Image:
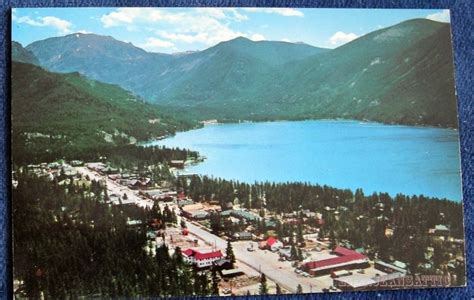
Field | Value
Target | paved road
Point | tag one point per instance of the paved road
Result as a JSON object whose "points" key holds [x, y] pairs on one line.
{"points": [[262, 261], [259, 260], [115, 188]]}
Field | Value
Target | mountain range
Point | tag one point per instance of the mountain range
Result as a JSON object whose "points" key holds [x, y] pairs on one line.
{"points": [[400, 74]]}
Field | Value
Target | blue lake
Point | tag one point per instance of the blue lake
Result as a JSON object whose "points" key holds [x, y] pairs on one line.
{"points": [[342, 154]]}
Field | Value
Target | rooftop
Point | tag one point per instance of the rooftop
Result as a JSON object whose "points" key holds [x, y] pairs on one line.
{"points": [[199, 255], [345, 257]]}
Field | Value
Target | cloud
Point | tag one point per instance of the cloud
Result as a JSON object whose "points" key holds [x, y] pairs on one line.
{"points": [[340, 38], [156, 45], [223, 13], [119, 17], [286, 40], [207, 26], [63, 26], [286, 12], [134, 15], [184, 38], [257, 37], [442, 16]]}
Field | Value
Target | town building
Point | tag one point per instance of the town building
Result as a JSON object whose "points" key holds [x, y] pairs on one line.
{"points": [[201, 258], [231, 273], [194, 211], [272, 244], [241, 214], [357, 282], [285, 252], [397, 266], [223, 264], [243, 236], [344, 259]]}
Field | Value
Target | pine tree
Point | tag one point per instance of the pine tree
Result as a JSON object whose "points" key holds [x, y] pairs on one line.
{"points": [[278, 289], [299, 254], [293, 253], [215, 282], [299, 234], [263, 285], [332, 240], [178, 256], [230, 253]]}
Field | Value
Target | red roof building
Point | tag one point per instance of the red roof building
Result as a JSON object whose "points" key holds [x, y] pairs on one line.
{"points": [[346, 259], [271, 243], [271, 240], [200, 258]]}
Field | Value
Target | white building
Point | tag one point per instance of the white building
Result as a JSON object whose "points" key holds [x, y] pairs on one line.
{"points": [[200, 258]]}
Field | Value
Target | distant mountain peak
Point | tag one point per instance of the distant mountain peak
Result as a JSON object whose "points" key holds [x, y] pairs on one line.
{"points": [[241, 38]]}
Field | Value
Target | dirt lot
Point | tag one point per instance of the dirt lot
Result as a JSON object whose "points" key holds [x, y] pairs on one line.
{"points": [[174, 238], [243, 284]]}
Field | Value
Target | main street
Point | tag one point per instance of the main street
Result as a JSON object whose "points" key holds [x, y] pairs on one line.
{"points": [[115, 188], [263, 261]]}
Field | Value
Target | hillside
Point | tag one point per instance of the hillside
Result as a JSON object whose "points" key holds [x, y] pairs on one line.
{"points": [[70, 113], [20, 54], [400, 74]]}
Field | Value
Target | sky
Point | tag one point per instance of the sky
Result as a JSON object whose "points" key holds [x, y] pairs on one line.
{"points": [[170, 30]]}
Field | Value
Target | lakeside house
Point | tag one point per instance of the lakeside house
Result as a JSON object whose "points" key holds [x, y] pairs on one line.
{"points": [[177, 163], [201, 258]]}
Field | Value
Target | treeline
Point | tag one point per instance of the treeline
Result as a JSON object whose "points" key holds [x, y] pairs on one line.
{"points": [[68, 243], [360, 219], [47, 149], [401, 210]]}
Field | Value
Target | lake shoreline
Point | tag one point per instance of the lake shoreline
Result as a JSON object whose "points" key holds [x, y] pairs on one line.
{"points": [[204, 123], [418, 155]]}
